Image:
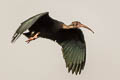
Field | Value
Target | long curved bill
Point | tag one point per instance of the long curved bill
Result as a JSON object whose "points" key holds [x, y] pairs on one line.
{"points": [[84, 26]]}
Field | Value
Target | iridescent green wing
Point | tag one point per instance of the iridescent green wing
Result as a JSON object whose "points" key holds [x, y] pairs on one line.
{"points": [[26, 25], [73, 48]]}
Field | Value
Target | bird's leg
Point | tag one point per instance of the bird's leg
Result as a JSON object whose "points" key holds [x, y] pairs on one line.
{"points": [[33, 38]]}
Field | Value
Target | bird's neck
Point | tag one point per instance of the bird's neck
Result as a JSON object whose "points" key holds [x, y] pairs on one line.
{"points": [[67, 26]]}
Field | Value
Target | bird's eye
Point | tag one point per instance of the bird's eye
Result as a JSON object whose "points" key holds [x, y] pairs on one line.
{"points": [[75, 24]]}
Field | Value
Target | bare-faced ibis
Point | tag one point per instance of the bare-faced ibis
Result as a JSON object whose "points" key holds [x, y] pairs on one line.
{"points": [[69, 37]]}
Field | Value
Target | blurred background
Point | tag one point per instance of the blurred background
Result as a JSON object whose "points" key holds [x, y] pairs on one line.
{"points": [[42, 59]]}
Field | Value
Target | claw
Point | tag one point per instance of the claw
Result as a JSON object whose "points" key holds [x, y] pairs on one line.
{"points": [[30, 39]]}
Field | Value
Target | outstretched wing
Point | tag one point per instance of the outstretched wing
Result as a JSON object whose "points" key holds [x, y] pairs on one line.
{"points": [[73, 48], [26, 25]]}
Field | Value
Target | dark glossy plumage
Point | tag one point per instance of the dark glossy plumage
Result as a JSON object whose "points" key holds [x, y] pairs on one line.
{"points": [[71, 40], [73, 48], [41, 22]]}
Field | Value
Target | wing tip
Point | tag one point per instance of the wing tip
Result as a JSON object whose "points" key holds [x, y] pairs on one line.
{"points": [[15, 37], [76, 69]]}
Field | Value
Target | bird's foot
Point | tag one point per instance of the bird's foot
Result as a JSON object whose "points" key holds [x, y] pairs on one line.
{"points": [[33, 38], [30, 39]]}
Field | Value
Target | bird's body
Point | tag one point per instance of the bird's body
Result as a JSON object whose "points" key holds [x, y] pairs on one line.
{"points": [[46, 26], [70, 37]]}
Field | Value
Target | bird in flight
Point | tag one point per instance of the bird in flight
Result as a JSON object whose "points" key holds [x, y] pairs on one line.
{"points": [[69, 37]]}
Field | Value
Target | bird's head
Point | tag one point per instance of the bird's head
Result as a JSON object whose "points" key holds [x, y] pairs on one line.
{"points": [[77, 24]]}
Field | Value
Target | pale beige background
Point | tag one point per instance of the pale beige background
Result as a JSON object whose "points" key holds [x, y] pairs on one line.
{"points": [[42, 59]]}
